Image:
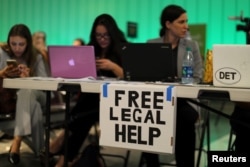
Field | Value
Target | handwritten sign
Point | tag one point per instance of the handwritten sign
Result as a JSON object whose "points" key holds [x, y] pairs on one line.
{"points": [[138, 116]]}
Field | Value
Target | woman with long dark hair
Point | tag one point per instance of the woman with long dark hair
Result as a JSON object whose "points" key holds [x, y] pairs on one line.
{"points": [[106, 37], [30, 103]]}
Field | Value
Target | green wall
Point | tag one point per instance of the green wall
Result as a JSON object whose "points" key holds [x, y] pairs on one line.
{"points": [[64, 20]]}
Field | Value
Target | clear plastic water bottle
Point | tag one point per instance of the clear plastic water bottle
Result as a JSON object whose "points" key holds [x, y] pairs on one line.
{"points": [[187, 67]]}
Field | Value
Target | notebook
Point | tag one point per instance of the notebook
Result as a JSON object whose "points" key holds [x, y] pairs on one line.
{"points": [[147, 62], [231, 65], [72, 61]]}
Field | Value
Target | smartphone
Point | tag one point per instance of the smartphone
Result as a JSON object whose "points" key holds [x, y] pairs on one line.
{"points": [[12, 62]]}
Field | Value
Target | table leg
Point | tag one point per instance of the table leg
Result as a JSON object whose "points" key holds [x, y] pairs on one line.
{"points": [[67, 115], [68, 88], [47, 127]]}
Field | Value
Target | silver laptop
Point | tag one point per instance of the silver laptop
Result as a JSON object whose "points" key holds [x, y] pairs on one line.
{"points": [[72, 61], [231, 65]]}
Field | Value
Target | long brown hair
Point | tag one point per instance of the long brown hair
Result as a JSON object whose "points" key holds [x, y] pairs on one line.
{"points": [[30, 53]]}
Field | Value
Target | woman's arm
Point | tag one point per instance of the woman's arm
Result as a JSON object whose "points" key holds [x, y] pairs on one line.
{"points": [[117, 70], [2, 74], [10, 71], [198, 62], [40, 68], [106, 64]]}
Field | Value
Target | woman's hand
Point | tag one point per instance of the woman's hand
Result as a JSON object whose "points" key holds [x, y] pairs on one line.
{"points": [[11, 71], [104, 64], [24, 70]]}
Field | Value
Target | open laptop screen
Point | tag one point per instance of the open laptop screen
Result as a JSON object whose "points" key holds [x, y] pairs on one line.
{"points": [[148, 62], [72, 61]]}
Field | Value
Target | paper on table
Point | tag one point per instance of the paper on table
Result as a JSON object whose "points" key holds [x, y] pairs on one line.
{"points": [[59, 79], [86, 79]]}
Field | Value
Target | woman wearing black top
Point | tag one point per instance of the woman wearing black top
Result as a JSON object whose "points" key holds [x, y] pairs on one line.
{"points": [[106, 38]]}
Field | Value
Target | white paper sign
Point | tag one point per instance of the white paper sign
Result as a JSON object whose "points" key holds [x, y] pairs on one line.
{"points": [[138, 116]]}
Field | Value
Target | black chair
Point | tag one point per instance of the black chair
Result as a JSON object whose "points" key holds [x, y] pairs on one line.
{"points": [[125, 157], [231, 142]]}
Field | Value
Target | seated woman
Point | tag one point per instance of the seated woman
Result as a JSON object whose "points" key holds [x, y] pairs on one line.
{"points": [[173, 30], [39, 42], [30, 103], [78, 42], [106, 38]]}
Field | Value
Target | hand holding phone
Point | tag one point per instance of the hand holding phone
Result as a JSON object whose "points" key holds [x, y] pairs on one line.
{"points": [[12, 62], [24, 70], [12, 69]]}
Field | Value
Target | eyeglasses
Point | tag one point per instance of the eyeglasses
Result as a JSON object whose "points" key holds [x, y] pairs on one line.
{"points": [[99, 36]]}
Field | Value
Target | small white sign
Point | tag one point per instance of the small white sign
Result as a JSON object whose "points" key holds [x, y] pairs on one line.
{"points": [[138, 116]]}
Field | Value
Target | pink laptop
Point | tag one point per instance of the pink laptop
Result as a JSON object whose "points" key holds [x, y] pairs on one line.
{"points": [[72, 61]]}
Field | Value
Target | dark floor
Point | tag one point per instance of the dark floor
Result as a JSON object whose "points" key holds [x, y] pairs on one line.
{"points": [[219, 136]]}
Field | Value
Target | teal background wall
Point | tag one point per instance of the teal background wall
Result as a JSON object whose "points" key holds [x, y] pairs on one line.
{"points": [[64, 20]]}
